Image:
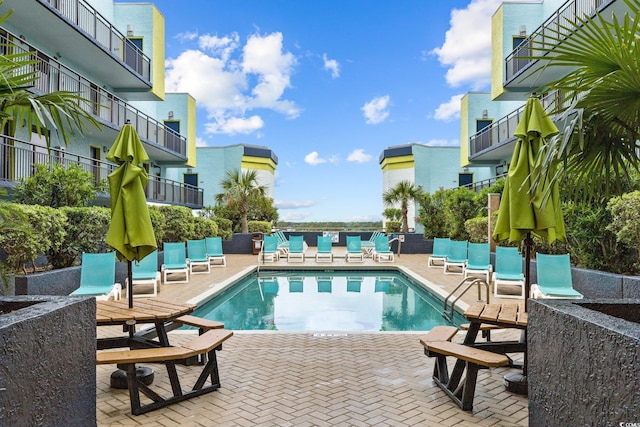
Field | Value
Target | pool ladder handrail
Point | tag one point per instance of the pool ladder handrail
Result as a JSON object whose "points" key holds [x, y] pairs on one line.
{"points": [[447, 312]]}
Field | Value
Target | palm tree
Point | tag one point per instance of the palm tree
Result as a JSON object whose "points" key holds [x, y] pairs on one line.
{"points": [[63, 112], [601, 109], [239, 188], [403, 193]]}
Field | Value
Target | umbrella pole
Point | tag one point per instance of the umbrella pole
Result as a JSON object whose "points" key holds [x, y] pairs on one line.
{"points": [[130, 284], [517, 382]]}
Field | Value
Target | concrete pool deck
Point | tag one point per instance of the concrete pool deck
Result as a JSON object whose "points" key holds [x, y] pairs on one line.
{"points": [[318, 379]]}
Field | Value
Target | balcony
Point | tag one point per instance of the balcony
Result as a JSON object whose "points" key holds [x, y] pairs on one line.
{"points": [[84, 37], [17, 160], [519, 61], [496, 142], [162, 143]]}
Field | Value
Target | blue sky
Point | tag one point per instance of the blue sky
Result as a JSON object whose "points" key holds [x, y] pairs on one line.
{"points": [[327, 85]]}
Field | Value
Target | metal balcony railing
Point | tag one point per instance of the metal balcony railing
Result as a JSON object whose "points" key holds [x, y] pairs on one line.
{"points": [[106, 35], [502, 130], [105, 105], [18, 159], [559, 23], [479, 185]]}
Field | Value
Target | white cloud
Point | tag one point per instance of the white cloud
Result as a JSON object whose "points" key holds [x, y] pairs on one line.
{"points": [[443, 143], [291, 204], [186, 36], [359, 156], [230, 80], [314, 159], [466, 51], [235, 125], [331, 65], [449, 110], [377, 110], [201, 142], [296, 216]]}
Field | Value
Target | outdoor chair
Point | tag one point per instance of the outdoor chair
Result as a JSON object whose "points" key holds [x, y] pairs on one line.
{"points": [[270, 251], [296, 249], [324, 284], [269, 286], [439, 252], [554, 277], [354, 284], [457, 257], [197, 251], [382, 284], [145, 272], [98, 276], [296, 284], [478, 261], [354, 249], [214, 252], [175, 262], [324, 252], [382, 251], [508, 272], [368, 246]]}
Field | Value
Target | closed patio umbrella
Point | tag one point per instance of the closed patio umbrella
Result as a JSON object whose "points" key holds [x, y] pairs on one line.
{"points": [[130, 231], [524, 213]]}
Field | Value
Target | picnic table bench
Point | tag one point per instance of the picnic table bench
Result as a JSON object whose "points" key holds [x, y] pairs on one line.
{"points": [[207, 343], [437, 343]]}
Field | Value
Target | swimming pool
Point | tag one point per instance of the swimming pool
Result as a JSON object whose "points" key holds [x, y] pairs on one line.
{"points": [[326, 301]]}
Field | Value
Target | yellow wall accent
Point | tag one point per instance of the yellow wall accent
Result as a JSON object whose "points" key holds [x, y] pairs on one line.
{"points": [[400, 162], [497, 53], [191, 131], [464, 131], [258, 163], [157, 60]]}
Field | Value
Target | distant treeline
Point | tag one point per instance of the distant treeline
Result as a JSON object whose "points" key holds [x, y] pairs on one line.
{"points": [[330, 226]]}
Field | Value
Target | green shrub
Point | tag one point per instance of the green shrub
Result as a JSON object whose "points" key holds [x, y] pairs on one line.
{"points": [[204, 228], [225, 228], [259, 227], [625, 221], [432, 214], [47, 231], [459, 206], [477, 229], [85, 231], [179, 224], [392, 226], [158, 223], [57, 186]]}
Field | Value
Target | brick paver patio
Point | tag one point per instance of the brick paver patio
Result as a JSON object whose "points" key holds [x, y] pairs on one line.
{"points": [[317, 378]]}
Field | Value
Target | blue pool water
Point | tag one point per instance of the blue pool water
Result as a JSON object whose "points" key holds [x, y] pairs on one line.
{"points": [[326, 301]]}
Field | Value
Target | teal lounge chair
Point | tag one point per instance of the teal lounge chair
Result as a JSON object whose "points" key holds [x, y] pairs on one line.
{"points": [[270, 251], [324, 284], [214, 252], [478, 261], [382, 284], [296, 249], [354, 249], [197, 250], [354, 284], [175, 262], [324, 252], [439, 252], [554, 277], [269, 285], [296, 284], [146, 273], [382, 251], [368, 246], [508, 272], [457, 257], [98, 276]]}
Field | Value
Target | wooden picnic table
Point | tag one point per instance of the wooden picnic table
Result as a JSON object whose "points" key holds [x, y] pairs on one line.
{"points": [[150, 310]]}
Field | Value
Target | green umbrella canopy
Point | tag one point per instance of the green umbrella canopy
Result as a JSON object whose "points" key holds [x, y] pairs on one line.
{"points": [[130, 232], [521, 212]]}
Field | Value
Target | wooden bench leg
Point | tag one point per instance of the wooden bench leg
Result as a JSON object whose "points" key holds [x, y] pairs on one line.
{"points": [[461, 392]]}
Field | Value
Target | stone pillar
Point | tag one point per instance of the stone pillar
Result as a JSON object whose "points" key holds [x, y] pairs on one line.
{"points": [[493, 205]]}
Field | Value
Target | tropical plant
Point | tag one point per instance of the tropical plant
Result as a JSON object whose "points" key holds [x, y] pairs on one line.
{"points": [[392, 214], [625, 220], [600, 96], [403, 193], [432, 214], [56, 186], [63, 112], [238, 190]]}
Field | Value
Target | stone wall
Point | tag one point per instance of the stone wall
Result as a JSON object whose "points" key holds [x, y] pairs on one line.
{"points": [[48, 362], [583, 362]]}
